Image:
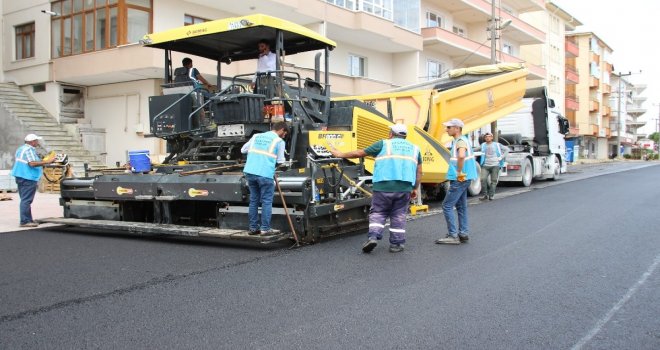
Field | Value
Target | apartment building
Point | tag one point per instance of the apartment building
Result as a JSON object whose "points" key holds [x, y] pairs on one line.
{"points": [[82, 61], [626, 97], [591, 118], [553, 53]]}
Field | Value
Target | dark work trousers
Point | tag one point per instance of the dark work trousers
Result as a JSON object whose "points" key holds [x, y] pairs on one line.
{"points": [[393, 205], [26, 190]]}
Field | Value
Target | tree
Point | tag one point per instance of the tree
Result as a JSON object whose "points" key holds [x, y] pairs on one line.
{"points": [[655, 136]]}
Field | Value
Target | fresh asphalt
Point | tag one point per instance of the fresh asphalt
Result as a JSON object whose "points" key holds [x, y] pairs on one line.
{"points": [[568, 264]]}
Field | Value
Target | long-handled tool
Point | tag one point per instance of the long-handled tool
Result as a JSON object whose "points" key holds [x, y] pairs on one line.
{"points": [[286, 211], [202, 171]]}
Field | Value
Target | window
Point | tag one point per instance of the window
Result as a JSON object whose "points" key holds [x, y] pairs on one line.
{"points": [[458, 31], [91, 25], [357, 66], [507, 48], [190, 20], [407, 14], [24, 41], [433, 20], [349, 4], [380, 8], [433, 69], [554, 24]]}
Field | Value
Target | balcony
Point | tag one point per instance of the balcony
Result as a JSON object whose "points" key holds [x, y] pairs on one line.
{"points": [[606, 110], [572, 102], [607, 132], [474, 11], [636, 123], [593, 106], [635, 111], [606, 88], [593, 129], [594, 57], [572, 75], [571, 47], [469, 52], [594, 82], [608, 67]]}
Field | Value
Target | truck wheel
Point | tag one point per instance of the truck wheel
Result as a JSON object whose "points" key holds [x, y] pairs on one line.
{"points": [[556, 173], [475, 185], [527, 173]]}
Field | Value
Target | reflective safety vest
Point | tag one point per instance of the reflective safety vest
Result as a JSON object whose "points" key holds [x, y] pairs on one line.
{"points": [[498, 152], [397, 161], [24, 155], [469, 164], [262, 154]]}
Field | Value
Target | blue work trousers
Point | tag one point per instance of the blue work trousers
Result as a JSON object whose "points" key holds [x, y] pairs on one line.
{"points": [[26, 190], [456, 197], [261, 194], [393, 205]]}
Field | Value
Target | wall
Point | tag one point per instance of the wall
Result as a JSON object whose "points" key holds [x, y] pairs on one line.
{"points": [[122, 110], [11, 138]]}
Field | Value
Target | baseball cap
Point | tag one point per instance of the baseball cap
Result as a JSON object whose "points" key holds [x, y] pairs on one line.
{"points": [[32, 137], [488, 133], [399, 129], [454, 122]]}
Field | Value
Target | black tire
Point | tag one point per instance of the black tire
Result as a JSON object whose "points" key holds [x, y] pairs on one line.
{"points": [[527, 175], [557, 172]]}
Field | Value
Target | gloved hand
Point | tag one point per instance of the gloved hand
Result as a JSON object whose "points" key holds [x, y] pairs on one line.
{"points": [[461, 177]]}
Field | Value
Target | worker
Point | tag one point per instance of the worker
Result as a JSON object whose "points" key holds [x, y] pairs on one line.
{"points": [[266, 62], [492, 160], [28, 170], [189, 73], [264, 151], [397, 172], [462, 170]]}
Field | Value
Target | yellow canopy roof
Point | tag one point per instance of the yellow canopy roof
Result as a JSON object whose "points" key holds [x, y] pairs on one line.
{"points": [[236, 38]]}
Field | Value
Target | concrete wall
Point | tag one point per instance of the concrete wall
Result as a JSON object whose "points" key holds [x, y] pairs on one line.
{"points": [[122, 110], [11, 138]]}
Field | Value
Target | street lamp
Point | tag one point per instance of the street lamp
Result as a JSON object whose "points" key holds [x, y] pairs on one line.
{"points": [[618, 114]]}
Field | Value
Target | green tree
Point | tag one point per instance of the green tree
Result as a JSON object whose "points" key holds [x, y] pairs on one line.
{"points": [[655, 136]]}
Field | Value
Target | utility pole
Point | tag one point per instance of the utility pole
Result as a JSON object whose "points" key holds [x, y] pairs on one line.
{"points": [[618, 114], [494, 28]]}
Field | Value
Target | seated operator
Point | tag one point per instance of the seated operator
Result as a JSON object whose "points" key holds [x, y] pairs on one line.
{"points": [[188, 73], [265, 63]]}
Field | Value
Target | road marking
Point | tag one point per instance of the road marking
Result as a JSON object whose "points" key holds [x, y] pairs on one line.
{"points": [[599, 325]]}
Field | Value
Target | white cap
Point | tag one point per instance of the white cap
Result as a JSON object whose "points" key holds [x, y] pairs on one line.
{"points": [[32, 137], [454, 122], [399, 129]]}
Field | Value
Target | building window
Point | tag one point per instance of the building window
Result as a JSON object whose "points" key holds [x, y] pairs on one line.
{"points": [[458, 31], [349, 4], [190, 20], [507, 48], [90, 25], [433, 69], [554, 24], [407, 14], [380, 8], [357, 66], [433, 20], [24, 41]]}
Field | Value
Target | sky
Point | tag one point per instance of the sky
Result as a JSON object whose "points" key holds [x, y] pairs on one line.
{"points": [[629, 27]]}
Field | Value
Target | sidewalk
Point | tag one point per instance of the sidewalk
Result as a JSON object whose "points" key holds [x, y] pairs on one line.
{"points": [[45, 205]]}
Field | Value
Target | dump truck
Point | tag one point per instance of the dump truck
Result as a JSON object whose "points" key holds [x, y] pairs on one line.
{"points": [[535, 138], [199, 190]]}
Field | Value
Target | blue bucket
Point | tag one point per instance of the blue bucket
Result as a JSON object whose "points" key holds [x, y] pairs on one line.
{"points": [[140, 161]]}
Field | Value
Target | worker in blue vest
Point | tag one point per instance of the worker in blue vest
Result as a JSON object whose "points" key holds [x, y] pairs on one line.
{"points": [[492, 160], [462, 170], [397, 172], [264, 152], [28, 170]]}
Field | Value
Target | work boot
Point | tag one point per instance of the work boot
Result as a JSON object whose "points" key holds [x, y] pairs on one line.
{"points": [[483, 198], [490, 198], [463, 238], [254, 232], [395, 248], [30, 224], [448, 240], [369, 245], [270, 232]]}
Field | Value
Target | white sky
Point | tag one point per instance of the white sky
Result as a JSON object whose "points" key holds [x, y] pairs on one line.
{"points": [[630, 28]]}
